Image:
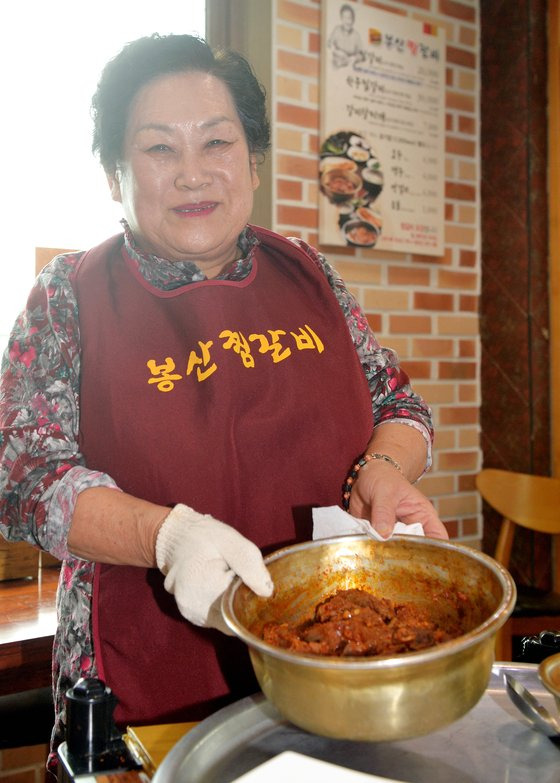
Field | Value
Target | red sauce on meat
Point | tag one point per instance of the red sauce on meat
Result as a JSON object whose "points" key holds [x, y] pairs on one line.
{"points": [[357, 623]]}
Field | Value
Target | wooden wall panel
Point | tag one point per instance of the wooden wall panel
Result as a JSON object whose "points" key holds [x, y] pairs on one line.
{"points": [[514, 305], [554, 222]]}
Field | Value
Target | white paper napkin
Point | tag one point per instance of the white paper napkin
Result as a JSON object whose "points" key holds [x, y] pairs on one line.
{"points": [[297, 767], [330, 521]]}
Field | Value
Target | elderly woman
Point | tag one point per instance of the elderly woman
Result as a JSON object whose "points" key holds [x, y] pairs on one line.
{"points": [[177, 399], [345, 40]]}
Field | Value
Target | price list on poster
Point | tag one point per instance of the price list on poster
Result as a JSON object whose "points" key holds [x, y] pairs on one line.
{"points": [[381, 169]]}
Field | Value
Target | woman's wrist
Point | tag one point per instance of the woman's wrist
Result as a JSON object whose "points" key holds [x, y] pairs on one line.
{"points": [[115, 527], [358, 466], [404, 444]]}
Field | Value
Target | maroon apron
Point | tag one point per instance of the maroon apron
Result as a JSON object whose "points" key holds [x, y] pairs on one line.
{"points": [[243, 399]]}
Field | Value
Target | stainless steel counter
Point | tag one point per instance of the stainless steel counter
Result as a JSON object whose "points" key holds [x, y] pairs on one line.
{"points": [[493, 743]]}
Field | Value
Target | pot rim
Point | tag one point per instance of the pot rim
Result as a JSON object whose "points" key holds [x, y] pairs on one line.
{"points": [[547, 668], [432, 654]]}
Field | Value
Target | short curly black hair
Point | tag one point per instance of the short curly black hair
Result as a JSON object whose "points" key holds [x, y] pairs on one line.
{"points": [[143, 60]]}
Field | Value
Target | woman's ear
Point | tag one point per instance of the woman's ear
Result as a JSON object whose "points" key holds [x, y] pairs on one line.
{"points": [[255, 181], [114, 180]]}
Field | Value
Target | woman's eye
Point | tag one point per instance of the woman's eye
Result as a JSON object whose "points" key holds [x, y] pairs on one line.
{"points": [[218, 142], [159, 148]]}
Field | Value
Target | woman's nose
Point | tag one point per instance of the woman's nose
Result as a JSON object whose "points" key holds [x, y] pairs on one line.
{"points": [[192, 172]]}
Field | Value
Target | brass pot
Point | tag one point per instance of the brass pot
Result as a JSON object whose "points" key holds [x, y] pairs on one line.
{"points": [[549, 675], [381, 698]]}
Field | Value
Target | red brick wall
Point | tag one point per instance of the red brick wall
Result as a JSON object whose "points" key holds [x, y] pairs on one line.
{"points": [[425, 307]]}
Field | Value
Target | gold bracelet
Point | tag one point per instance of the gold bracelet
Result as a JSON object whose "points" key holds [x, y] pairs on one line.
{"points": [[386, 458]]}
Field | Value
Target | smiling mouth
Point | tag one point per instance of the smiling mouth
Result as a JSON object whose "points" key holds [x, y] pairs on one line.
{"points": [[195, 210]]}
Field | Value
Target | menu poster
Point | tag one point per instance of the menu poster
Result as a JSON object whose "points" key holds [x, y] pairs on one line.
{"points": [[381, 169]]}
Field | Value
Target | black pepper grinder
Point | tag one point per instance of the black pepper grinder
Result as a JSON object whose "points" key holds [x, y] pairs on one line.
{"points": [[93, 743]]}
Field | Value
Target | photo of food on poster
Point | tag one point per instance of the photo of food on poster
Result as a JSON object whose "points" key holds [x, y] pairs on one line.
{"points": [[382, 143]]}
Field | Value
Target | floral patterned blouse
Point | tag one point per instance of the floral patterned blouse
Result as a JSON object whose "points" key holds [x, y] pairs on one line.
{"points": [[41, 468]]}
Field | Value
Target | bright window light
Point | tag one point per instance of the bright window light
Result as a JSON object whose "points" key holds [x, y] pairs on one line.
{"points": [[55, 192]]}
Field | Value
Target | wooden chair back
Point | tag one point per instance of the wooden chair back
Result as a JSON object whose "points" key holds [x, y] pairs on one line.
{"points": [[532, 502]]}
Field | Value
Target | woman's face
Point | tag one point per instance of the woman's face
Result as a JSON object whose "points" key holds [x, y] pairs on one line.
{"points": [[347, 19], [186, 180]]}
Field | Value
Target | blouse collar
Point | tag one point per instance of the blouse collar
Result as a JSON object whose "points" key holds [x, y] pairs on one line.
{"points": [[168, 275]]}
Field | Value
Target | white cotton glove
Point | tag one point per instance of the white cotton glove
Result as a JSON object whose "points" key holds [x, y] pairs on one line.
{"points": [[199, 557]]}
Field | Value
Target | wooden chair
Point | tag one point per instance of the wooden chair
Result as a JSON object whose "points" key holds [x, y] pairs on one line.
{"points": [[534, 503]]}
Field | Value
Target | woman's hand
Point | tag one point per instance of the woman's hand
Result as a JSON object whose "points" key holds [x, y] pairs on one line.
{"points": [[199, 557], [382, 495]]}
